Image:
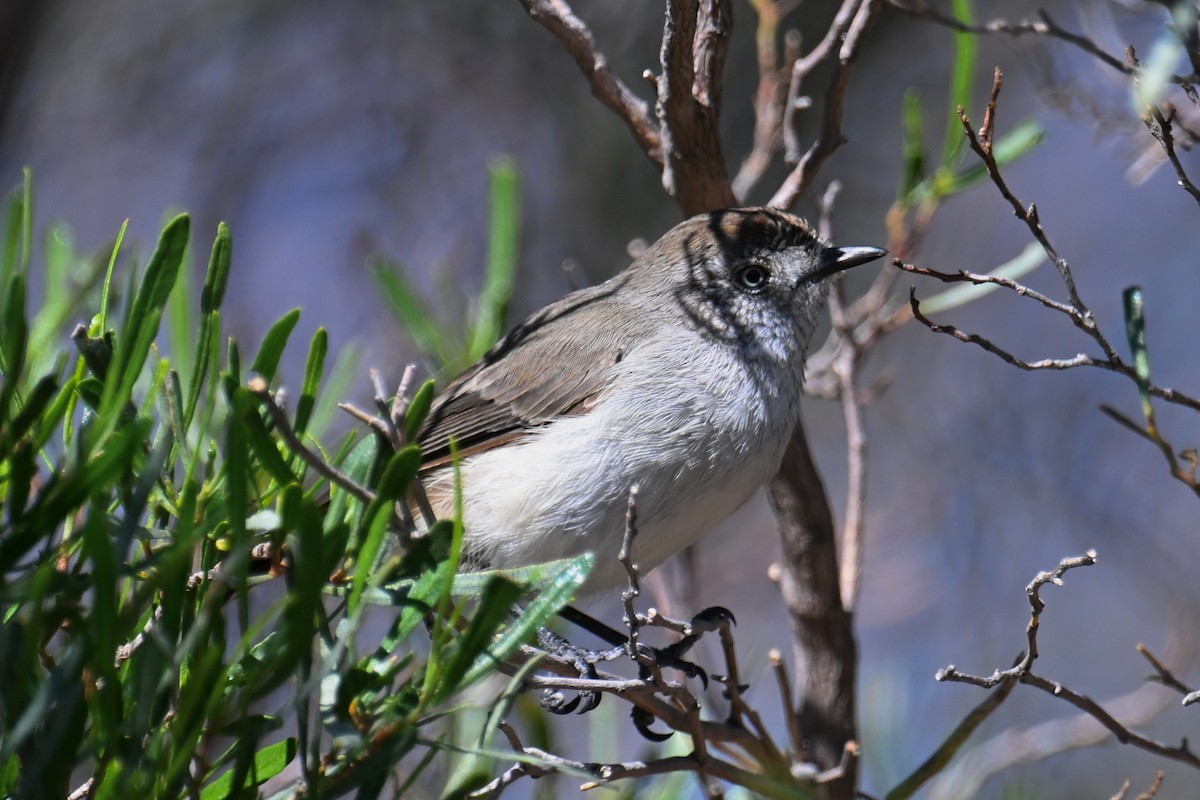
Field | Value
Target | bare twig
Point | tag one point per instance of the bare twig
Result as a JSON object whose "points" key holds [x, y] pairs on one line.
{"points": [[1186, 476], [830, 138], [784, 682], [1165, 677], [1033, 592], [1113, 363], [559, 18], [1160, 128], [1045, 26], [1124, 735], [284, 426], [801, 69], [770, 99], [953, 743], [1022, 745]]}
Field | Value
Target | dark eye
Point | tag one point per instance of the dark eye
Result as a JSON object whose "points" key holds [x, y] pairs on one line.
{"points": [[752, 277]]}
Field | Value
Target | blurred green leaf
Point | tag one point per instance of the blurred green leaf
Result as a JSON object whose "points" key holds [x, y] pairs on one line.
{"points": [[503, 241], [406, 305], [1135, 333], [1032, 257], [268, 762], [961, 79], [1013, 145], [102, 317], [367, 555], [556, 585], [495, 606], [913, 151], [418, 409]]}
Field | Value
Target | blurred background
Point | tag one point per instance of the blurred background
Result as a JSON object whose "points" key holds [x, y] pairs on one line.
{"points": [[325, 134]]}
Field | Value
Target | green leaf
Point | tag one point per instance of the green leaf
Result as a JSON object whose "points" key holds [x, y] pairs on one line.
{"points": [[267, 360], [15, 334], [1019, 141], [144, 316], [216, 278], [268, 762], [10, 775], [1135, 333], [314, 367], [961, 79], [913, 169], [401, 469], [337, 386], [556, 584], [417, 410], [495, 606], [264, 447], [406, 305], [102, 318], [18, 230], [367, 555], [503, 235], [35, 404]]}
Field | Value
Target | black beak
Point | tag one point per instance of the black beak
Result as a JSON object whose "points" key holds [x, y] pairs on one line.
{"points": [[837, 259]]}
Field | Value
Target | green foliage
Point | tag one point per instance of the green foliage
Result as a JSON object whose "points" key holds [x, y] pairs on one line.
{"points": [[922, 190], [181, 614], [445, 340]]}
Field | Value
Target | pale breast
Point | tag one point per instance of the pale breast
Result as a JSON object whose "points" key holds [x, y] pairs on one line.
{"points": [[698, 434]]}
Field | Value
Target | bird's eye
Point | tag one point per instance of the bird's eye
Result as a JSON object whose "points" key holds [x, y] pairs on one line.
{"points": [[752, 277]]}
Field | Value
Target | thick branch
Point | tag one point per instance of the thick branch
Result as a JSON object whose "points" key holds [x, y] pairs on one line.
{"points": [[694, 171], [826, 653]]}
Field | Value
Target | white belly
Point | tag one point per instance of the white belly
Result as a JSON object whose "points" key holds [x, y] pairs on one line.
{"points": [[696, 449]]}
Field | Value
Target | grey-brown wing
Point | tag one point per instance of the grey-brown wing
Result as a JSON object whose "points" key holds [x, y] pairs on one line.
{"points": [[548, 366]]}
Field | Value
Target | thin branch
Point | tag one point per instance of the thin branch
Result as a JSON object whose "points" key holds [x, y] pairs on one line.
{"points": [[1124, 735], [802, 68], [284, 426], [1084, 319], [830, 137], [1113, 364], [770, 99], [1185, 476], [953, 743], [1045, 27], [1162, 674], [1033, 592], [784, 682], [1018, 745], [559, 18], [1160, 128]]}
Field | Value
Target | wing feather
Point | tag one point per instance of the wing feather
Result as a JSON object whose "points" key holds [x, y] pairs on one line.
{"points": [[548, 366]]}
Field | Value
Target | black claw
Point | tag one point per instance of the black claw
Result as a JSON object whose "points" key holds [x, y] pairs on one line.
{"points": [[712, 618], [590, 701], [642, 720], [672, 656], [557, 703]]}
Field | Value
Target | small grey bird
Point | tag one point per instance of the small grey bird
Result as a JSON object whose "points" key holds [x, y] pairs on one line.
{"points": [[682, 374]]}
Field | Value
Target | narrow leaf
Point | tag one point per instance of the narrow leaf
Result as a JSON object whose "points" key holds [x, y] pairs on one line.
{"points": [[267, 361], [503, 235]]}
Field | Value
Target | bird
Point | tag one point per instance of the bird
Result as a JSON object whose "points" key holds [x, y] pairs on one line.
{"points": [[681, 375]]}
